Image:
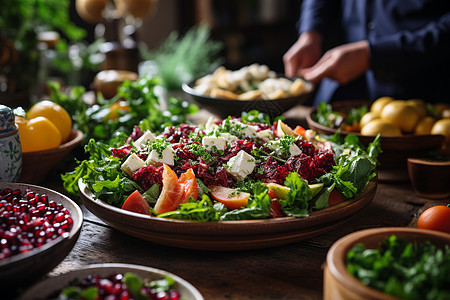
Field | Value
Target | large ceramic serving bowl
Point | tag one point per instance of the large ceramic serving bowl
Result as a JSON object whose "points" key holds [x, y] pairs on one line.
{"points": [[20, 268], [46, 288], [36, 165], [226, 235], [396, 150], [340, 284], [227, 107]]}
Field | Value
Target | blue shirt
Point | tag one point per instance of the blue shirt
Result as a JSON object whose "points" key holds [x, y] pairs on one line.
{"points": [[409, 43]]}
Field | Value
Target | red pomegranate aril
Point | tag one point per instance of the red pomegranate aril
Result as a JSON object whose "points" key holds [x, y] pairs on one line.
{"points": [[58, 218], [162, 296], [174, 295], [125, 295]]}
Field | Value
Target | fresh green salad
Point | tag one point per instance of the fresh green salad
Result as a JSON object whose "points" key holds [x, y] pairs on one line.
{"points": [[403, 269], [232, 169]]}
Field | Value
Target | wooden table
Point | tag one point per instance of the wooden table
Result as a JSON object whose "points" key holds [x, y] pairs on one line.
{"points": [[292, 271]]}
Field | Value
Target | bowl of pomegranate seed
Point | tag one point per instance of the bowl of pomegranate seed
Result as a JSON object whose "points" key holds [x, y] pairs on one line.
{"points": [[38, 229], [115, 281]]}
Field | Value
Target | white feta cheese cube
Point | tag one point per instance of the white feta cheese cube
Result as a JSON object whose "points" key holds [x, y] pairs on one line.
{"points": [[248, 131], [209, 142], [132, 164], [156, 159], [144, 139], [266, 135], [241, 165], [228, 137]]}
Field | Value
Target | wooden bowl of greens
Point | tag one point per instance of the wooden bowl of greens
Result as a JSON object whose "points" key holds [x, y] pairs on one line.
{"points": [[389, 263]]}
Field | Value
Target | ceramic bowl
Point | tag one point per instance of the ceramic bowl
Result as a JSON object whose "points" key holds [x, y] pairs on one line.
{"points": [[340, 284], [36, 165], [29, 266], [227, 107], [226, 235], [46, 288], [396, 149], [430, 178]]}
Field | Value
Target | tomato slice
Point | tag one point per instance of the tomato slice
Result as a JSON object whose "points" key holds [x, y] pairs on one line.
{"points": [[136, 203], [171, 192], [189, 185], [231, 198], [335, 197]]}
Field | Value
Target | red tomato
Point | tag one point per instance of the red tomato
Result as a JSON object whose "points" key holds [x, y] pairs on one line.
{"points": [[435, 218], [272, 194], [136, 203], [335, 197]]}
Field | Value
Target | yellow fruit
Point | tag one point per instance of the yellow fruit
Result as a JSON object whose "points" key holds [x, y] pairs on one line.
{"points": [[401, 115], [442, 127], [37, 134], [418, 105], [370, 116], [382, 127], [377, 105], [424, 126], [56, 114]]}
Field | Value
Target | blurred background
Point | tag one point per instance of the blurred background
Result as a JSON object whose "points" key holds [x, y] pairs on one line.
{"points": [[70, 41]]}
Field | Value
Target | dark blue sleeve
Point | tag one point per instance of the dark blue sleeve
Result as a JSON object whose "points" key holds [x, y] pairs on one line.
{"points": [[427, 47], [316, 15]]}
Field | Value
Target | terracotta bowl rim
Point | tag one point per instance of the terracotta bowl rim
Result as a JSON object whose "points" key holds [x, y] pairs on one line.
{"points": [[335, 258], [428, 162], [75, 140]]}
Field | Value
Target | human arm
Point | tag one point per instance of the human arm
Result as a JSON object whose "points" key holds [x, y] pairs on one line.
{"points": [[312, 27]]}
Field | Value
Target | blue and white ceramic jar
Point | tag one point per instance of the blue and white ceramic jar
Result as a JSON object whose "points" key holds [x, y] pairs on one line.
{"points": [[10, 149]]}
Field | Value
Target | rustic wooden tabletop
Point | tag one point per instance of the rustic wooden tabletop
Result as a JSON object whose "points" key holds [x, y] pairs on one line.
{"points": [[292, 271]]}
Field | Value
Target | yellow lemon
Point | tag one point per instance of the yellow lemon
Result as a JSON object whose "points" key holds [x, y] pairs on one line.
{"points": [[424, 126], [382, 127], [37, 134], [418, 105], [377, 105], [370, 116], [442, 127], [400, 114], [56, 114]]}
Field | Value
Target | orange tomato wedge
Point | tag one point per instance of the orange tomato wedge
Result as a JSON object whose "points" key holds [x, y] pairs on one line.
{"points": [[136, 203], [300, 131], [171, 192], [189, 185], [231, 198]]}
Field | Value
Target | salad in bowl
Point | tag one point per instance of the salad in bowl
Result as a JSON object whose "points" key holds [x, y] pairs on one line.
{"points": [[226, 170]]}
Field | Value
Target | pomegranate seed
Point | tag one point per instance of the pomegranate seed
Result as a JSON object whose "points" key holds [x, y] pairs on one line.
{"points": [[162, 296], [174, 295]]}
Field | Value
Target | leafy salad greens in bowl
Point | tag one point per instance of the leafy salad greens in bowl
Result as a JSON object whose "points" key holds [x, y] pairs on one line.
{"points": [[235, 169]]}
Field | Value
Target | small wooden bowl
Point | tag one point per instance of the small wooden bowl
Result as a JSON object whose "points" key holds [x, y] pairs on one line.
{"points": [[396, 149], [21, 269], [46, 288], [340, 284], [429, 178], [37, 165]]}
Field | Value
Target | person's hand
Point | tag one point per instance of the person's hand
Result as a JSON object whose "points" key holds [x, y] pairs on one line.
{"points": [[343, 63], [303, 54]]}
